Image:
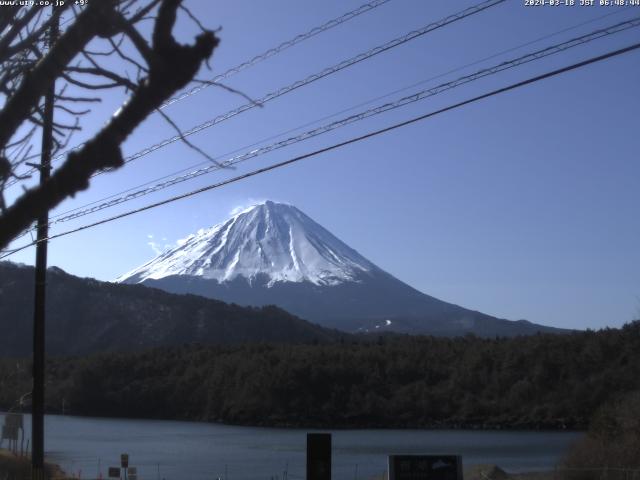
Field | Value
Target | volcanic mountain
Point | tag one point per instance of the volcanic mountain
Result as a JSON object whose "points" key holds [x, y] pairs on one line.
{"points": [[272, 253]]}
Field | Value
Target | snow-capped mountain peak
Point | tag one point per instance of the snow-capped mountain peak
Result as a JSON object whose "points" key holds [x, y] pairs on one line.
{"points": [[273, 254], [272, 239]]}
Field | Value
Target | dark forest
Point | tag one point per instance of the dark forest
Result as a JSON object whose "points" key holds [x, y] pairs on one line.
{"points": [[541, 382]]}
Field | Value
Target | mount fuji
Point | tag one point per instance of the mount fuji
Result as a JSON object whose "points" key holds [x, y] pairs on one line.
{"points": [[273, 254]]}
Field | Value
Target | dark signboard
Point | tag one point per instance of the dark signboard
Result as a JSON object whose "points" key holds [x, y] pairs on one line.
{"points": [[425, 467], [114, 472], [10, 432], [318, 456], [13, 420]]}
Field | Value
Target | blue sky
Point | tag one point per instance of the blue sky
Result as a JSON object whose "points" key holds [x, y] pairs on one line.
{"points": [[523, 205]]}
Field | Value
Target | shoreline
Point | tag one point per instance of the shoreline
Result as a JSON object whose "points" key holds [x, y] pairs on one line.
{"points": [[557, 426], [77, 426], [20, 466]]}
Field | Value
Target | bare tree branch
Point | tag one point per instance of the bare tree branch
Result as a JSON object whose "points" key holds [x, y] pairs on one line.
{"points": [[186, 141], [171, 66], [36, 81]]}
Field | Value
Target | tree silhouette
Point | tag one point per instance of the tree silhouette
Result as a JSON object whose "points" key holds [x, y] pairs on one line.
{"points": [[29, 66]]}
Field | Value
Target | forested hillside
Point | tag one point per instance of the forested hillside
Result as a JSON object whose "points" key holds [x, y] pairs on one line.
{"points": [[86, 316], [541, 381]]}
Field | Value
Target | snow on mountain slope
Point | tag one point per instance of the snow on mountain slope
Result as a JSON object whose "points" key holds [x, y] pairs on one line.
{"points": [[273, 239]]}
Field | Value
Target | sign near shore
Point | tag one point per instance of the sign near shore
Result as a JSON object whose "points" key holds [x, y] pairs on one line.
{"points": [[13, 423], [425, 467], [13, 420], [9, 432]]}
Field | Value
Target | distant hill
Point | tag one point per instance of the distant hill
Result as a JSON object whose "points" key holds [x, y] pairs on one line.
{"points": [[85, 315], [274, 254]]}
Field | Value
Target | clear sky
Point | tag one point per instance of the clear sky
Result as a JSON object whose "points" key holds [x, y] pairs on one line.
{"points": [[524, 205]]}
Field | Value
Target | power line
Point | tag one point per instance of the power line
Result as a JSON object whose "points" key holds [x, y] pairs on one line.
{"points": [[381, 97], [280, 48], [457, 69], [306, 81], [418, 96], [335, 146], [319, 75], [327, 117], [246, 64]]}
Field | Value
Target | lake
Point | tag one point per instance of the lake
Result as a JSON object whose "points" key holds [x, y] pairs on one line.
{"points": [[174, 450]]}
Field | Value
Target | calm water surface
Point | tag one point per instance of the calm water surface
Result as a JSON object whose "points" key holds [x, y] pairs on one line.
{"points": [[191, 450]]}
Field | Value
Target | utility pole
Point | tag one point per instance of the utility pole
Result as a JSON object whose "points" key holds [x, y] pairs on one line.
{"points": [[37, 410]]}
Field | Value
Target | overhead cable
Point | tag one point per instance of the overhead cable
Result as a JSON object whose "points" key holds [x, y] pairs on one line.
{"points": [[275, 50], [306, 81], [242, 66], [335, 146], [353, 107], [406, 100]]}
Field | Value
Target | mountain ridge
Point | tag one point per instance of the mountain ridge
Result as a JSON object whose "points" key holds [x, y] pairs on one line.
{"points": [[272, 253], [86, 315]]}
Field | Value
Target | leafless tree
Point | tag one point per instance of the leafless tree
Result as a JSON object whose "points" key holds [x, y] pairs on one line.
{"points": [[101, 34]]}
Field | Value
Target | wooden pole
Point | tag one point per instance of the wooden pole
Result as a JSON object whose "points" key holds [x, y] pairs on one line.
{"points": [[37, 418]]}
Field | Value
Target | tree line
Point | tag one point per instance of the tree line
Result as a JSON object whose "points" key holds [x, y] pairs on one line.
{"points": [[539, 381]]}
